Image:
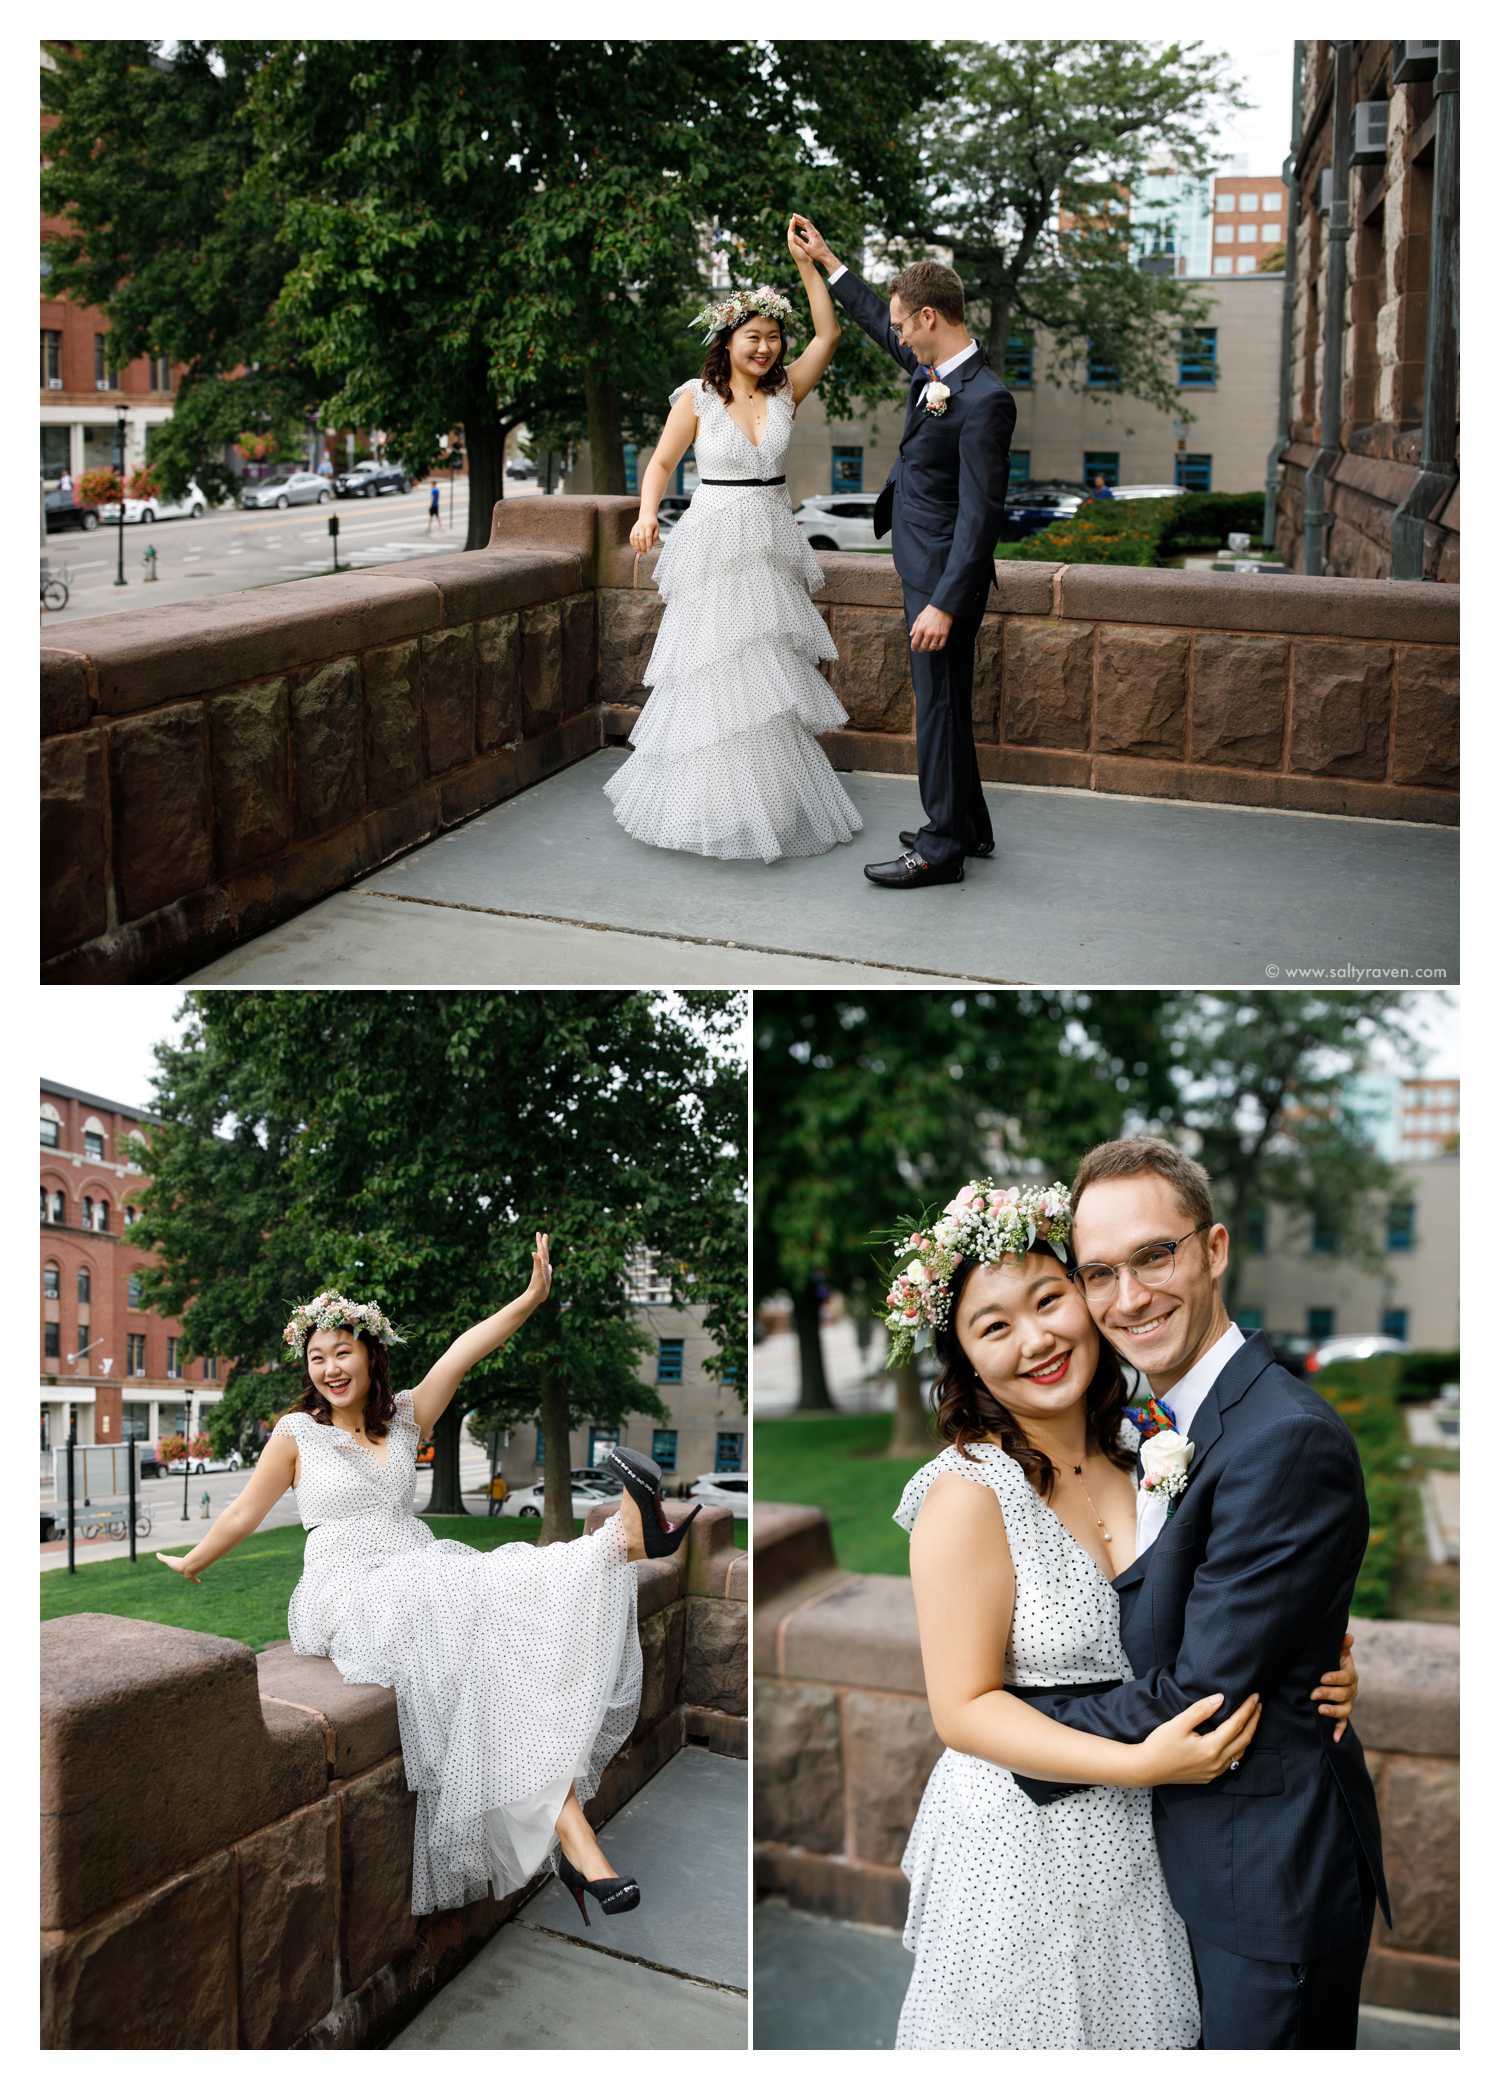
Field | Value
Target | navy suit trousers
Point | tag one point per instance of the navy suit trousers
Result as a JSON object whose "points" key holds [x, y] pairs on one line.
{"points": [[955, 816], [1266, 2004]]}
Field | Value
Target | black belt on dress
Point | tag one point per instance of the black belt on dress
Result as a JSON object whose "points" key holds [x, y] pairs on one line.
{"points": [[744, 482]]}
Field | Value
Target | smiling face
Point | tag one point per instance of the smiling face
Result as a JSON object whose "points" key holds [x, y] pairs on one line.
{"points": [[917, 331], [753, 349], [1026, 1332], [338, 1365], [1162, 1329]]}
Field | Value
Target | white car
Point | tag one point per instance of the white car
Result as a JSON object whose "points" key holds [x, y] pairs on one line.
{"points": [[724, 1490], [152, 510], [1351, 1349], [530, 1502], [838, 522], [286, 490], [1146, 493], [209, 1465]]}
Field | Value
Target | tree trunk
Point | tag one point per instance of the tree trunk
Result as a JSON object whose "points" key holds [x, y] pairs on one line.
{"points": [[484, 447], [447, 1500], [812, 1392], [606, 445], [557, 1499], [997, 339], [911, 1426]]}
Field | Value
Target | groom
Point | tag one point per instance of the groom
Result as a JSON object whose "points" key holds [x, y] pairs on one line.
{"points": [[1241, 1583], [943, 504]]}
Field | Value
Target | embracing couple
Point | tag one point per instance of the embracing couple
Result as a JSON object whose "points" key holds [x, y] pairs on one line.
{"points": [[1152, 1826], [726, 761]]}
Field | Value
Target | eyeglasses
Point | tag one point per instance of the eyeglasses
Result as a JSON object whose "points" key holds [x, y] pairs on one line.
{"points": [[1151, 1265]]}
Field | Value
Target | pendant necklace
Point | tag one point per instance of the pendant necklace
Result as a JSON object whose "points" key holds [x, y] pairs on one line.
{"points": [[1088, 1498]]}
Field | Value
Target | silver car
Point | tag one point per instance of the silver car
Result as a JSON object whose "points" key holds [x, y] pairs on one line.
{"points": [[287, 490], [839, 522]]}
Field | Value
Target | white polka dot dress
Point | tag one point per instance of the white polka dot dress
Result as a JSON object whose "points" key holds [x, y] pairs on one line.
{"points": [[517, 1672], [1040, 1927], [726, 763]]}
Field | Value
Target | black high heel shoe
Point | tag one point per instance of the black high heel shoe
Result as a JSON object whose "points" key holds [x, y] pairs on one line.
{"points": [[614, 1895], [641, 1478]]}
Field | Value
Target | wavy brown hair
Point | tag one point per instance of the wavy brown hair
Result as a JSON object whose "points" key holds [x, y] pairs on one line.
{"points": [[967, 1412], [380, 1402], [716, 362]]}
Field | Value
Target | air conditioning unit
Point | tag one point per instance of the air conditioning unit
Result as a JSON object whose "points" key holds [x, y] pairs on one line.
{"points": [[1413, 62], [54, 384], [1370, 127], [1325, 192]]}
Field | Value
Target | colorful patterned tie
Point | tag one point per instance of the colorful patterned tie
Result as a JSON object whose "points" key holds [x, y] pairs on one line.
{"points": [[1154, 1416]]}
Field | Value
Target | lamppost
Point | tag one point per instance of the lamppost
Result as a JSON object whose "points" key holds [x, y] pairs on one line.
{"points": [[120, 474]]}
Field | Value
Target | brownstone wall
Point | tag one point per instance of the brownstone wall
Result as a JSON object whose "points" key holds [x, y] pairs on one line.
{"points": [[844, 1744], [226, 1839]]}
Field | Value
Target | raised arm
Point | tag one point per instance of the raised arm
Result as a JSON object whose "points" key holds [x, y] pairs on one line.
{"points": [[959, 1544], [808, 369], [432, 1396], [983, 468], [681, 427], [867, 309], [266, 1485]]}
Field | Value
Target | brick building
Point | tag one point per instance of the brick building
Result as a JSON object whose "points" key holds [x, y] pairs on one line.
{"points": [[1368, 445], [1249, 222], [110, 1369]]}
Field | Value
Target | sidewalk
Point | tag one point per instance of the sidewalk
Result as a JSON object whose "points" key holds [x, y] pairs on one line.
{"points": [[671, 1975], [823, 1984], [1084, 887], [858, 1384]]}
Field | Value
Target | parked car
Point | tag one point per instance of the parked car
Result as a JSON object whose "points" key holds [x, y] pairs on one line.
{"points": [[1291, 1351], [285, 490], [837, 522], [1035, 503], [232, 1464], [153, 509], [520, 468], [597, 1477], [64, 513], [530, 1502], [1147, 493], [371, 477], [1346, 1349], [151, 1465], [725, 1490]]}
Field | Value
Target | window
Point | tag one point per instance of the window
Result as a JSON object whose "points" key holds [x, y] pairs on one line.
{"points": [[210, 1366], [44, 1204], [1243, 264], [174, 1357], [729, 1451], [93, 1145], [664, 1449], [161, 373], [1198, 358], [59, 1208], [1020, 467], [135, 1356], [83, 1342], [106, 376], [1393, 1323], [51, 1131], [1325, 1237], [603, 1437], [1247, 200], [848, 474], [1223, 233], [133, 1288], [85, 1287], [51, 1282], [1401, 1228], [51, 359], [669, 1361], [1270, 232], [1105, 463], [1020, 360], [51, 1343], [1193, 471], [1223, 265], [540, 1459], [646, 1284], [1102, 371], [1250, 1317], [88, 1212], [1248, 235], [1272, 199], [632, 467], [130, 1215], [101, 1216], [1321, 1321], [1255, 1232]]}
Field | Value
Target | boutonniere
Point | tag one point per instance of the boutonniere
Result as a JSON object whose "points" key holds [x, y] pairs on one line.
{"points": [[1165, 1458], [936, 398]]}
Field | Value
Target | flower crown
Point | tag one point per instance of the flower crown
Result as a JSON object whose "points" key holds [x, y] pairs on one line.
{"points": [[738, 306], [982, 1223], [331, 1310]]}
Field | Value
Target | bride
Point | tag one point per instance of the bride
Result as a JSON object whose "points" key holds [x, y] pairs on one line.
{"points": [[517, 1672], [1039, 1915], [725, 762]]}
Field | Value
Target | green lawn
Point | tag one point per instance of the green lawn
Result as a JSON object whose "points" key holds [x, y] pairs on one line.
{"points": [[837, 1463]]}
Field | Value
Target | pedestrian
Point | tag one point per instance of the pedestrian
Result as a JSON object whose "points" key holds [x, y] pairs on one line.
{"points": [[65, 483], [435, 508], [1101, 491]]}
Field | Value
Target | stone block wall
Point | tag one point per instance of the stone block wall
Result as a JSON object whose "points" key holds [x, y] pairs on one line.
{"points": [[844, 1744], [226, 1839]]}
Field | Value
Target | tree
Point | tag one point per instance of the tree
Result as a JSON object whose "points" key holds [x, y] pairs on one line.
{"points": [[1032, 153], [405, 1146]]}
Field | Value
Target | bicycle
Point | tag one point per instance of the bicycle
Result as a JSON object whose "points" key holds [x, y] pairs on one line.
{"points": [[54, 593]]}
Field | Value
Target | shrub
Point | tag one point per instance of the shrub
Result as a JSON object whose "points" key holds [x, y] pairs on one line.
{"points": [[1142, 533], [1197, 521], [144, 484], [1424, 1374], [96, 487]]}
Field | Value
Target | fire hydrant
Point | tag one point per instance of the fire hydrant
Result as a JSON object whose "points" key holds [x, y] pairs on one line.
{"points": [[203, 1504], [150, 562]]}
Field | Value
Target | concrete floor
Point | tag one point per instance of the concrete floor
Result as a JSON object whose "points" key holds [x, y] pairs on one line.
{"points": [[1085, 889], [830, 1985], [670, 1976]]}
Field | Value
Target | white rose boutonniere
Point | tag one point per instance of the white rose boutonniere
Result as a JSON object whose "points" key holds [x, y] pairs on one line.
{"points": [[1165, 1458], [937, 396]]}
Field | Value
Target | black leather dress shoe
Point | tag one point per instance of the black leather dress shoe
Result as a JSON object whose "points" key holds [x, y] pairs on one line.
{"points": [[908, 840], [911, 869]]}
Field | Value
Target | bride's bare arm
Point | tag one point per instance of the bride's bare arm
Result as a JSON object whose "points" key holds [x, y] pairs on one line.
{"points": [[806, 373], [432, 1396], [964, 1581], [680, 428], [266, 1485]]}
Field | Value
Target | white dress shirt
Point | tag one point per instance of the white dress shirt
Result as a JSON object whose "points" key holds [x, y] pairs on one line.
{"points": [[1184, 1400], [942, 368]]}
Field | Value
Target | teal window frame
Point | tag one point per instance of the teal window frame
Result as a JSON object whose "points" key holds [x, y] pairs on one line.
{"points": [[669, 1360], [1193, 471], [729, 1451], [1103, 375], [1020, 360], [846, 468], [1105, 461], [1198, 359], [664, 1449]]}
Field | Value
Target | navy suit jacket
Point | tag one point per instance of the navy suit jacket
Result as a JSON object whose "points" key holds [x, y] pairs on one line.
{"points": [[944, 500], [1247, 1588]]}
